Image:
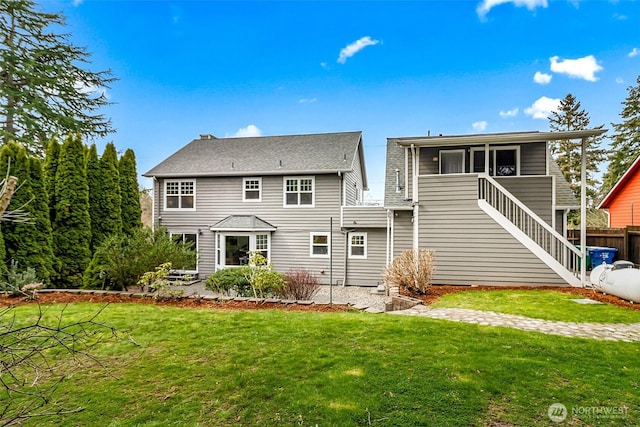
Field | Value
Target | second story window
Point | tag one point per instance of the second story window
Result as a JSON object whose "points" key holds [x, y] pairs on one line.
{"points": [[503, 161], [298, 191], [251, 189], [451, 161], [180, 195]]}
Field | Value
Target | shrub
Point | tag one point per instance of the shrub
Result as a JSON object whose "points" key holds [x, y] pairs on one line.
{"points": [[230, 279], [411, 271], [120, 260], [17, 279], [158, 281], [263, 279], [300, 284]]}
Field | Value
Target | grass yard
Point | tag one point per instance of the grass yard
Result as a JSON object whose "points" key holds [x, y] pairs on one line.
{"points": [[540, 304], [271, 368]]}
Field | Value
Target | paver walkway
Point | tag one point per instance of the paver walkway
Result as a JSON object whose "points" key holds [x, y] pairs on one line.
{"points": [[599, 331]]}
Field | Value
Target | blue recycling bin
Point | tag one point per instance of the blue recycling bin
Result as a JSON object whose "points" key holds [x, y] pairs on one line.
{"points": [[600, 255]]}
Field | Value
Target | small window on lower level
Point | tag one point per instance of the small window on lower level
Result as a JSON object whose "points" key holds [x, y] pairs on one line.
{"points": [[358, 245], [319, 245]]}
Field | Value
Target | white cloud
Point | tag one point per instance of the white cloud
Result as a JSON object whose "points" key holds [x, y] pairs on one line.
{"points": [[355, 47], [542, 78], [487, 5], [90, 89], [324, 65], [77, 2], [509, 113], [307, 100], [619, 80], [480, 126], [543, 107], [251, 130], [582, 68], [634, 52]]}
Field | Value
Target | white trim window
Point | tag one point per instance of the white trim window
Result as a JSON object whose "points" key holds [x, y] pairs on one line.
{"points": [[299, 191], [503, 161], [358, 245], [251, 189], [451, 161], [180, 195], [319, 245]]}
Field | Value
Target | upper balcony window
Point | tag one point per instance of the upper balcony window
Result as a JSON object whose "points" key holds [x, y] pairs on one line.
{"points": [[451, 161], [180, 195], [504, 161]]}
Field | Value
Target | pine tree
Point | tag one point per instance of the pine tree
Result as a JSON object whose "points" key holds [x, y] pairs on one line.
{"points": [[72, 226], [108, 200], [39, 212], [625, 142], [44, 90], [129, 190], [568, 153], [49, 170], [95, 191]]}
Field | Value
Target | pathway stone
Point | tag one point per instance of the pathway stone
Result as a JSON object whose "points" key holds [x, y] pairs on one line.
{"points": [[599, 331]]}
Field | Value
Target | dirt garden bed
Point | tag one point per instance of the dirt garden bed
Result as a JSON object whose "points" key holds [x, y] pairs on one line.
{"points": [[435, 292]]}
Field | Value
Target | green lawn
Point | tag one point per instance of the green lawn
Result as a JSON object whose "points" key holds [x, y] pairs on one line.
{"points": [[273, 368], [541, 304]]}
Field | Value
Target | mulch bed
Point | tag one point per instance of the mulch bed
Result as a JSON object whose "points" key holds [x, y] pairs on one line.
{"points": [[435, 292]]}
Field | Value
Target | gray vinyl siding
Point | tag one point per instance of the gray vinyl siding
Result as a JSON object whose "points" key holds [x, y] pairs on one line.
{"points": [[217, 198], [364, 216], [368, 272], [353, 184], [470, 248], [534, 191], [402, 232], [533, 158]]}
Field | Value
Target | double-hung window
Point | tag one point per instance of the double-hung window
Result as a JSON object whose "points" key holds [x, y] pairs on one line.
{"points": [[319, 245], [180, 195], [358, 245], [299, 191], [251, 189]]}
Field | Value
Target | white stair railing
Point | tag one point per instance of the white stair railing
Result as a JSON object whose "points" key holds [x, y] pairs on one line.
{"points": [[552, 242]]}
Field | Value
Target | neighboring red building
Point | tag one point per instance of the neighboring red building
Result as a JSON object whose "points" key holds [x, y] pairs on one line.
{"points": [[623, 201]]}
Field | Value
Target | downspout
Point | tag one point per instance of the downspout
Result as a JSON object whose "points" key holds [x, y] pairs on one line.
{"points": [[156, 193], [415, 201], [343, 194], [388, 254], [583, 216]]}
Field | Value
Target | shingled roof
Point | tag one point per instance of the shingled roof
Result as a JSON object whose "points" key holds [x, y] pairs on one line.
{"points": [[264, 155]]}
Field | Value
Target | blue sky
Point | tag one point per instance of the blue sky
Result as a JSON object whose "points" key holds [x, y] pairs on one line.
{"points": [[389, 69]]}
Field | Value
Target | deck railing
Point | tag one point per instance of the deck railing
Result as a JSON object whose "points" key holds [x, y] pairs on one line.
{"points": [[529, 223]]}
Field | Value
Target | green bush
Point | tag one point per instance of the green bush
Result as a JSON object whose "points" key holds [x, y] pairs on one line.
{"points": [[230, 279], [120, 260], [16, 280]]}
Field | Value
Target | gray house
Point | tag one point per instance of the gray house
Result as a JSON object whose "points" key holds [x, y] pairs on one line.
{"points": [[278, 195], [493, 207]]}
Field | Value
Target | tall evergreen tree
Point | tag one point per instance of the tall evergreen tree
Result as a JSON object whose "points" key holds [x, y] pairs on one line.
{"points": [[40, 216], [72, 226], [44, 89], [625, 142], [21, 239], [95, 192], [49, 170], [130, 192], [568, 153], [108, 200]]}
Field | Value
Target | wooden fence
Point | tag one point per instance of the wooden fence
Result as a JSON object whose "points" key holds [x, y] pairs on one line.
{"points": [[626, 240]]}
